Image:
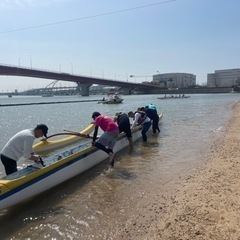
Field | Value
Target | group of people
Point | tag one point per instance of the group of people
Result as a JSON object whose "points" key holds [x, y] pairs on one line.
{"points": [[145, 116], [21, 144]]}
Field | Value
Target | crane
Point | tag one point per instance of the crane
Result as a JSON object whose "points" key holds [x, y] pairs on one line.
{"points": [[144, 76], [133, 76]]}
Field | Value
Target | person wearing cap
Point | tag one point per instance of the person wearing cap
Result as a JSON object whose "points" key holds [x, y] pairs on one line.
{"points": [[123, 122], [20, 145], [108, 139]]}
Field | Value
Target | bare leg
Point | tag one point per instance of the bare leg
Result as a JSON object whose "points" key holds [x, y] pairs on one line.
{"points": [[130, 143]]}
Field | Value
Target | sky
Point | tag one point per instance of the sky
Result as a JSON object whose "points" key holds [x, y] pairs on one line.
{"points": [[116, 39]]}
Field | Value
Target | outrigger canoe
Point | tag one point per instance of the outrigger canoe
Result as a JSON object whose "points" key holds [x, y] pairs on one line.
{"points": [[33, 180], [46, 145], [174, 97]]}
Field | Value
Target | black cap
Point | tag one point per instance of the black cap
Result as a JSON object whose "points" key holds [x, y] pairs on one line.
{"points": [[96, 114], [44, 129], [118, 114]]}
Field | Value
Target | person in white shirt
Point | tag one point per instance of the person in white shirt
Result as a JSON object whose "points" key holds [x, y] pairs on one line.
{"points": [[20, 145], [141, 118]]}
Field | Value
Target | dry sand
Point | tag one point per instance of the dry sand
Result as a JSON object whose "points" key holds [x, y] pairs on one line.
{"points": [[205, 205]]}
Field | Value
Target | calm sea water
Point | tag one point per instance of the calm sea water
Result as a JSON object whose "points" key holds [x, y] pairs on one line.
{"points": [[93, 204]]}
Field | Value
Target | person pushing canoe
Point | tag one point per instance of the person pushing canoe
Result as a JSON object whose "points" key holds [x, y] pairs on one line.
{"points": [[108, 139], [20, 145]]}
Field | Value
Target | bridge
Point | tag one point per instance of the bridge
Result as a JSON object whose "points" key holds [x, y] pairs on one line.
{"points": [[83, 82]]}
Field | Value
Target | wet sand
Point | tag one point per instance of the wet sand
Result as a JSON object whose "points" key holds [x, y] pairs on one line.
{"points": [[205, 204]]}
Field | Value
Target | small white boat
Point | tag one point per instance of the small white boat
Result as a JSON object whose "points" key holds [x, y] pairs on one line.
{"points": [[112, 98], [33, 180]]}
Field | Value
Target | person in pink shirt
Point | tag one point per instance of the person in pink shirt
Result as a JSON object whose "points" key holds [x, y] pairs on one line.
{"points": [[108, 139]]}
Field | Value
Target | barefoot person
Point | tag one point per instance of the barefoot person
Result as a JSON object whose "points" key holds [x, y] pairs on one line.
{"points": [[123, 122], [141, 118], [108, 139], [151, 112], [20, 145]]}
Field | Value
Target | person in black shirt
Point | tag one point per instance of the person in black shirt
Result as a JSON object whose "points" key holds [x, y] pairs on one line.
{"points": [[153, 115], [123, 122]]}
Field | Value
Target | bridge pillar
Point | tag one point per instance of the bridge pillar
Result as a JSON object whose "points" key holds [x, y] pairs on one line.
{"points": [[84, 88], [126, 90]]}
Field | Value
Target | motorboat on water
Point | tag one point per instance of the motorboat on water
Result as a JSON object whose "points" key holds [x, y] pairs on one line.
{"points": [[35, 179], [112, 98]]}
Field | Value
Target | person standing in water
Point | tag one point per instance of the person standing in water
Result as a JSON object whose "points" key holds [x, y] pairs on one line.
{"points": [[108, 139], [141, 118], [123, 122]]}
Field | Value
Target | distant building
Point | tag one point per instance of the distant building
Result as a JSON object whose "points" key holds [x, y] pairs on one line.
{"points": [[175, 80], [224, 78]]}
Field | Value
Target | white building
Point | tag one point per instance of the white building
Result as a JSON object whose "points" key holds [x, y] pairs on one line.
{"points": [[175, 80], [224, 78]]}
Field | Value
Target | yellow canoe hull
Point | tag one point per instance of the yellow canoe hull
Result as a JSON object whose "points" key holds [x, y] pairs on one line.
{"points": [[48, 145]]}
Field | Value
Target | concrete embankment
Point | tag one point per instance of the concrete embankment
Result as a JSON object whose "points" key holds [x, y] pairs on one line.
{"points": [[200, 90]]}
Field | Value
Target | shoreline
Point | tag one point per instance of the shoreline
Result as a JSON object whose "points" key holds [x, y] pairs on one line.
{"points": [[204, 204]]}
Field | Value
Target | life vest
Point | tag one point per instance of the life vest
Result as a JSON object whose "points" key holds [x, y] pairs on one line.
{"points": [[142, 118]]}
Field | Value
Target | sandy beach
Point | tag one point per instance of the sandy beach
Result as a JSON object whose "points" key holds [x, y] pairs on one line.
{"points": [[205, 204]]}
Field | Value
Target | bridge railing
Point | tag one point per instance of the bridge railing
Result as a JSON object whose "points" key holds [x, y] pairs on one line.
{"points": [[57, 72], [68, 77]]}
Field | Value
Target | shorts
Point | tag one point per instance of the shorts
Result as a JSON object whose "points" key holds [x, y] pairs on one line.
{"points": [[10, 165], [127, 129], [108, 139]]}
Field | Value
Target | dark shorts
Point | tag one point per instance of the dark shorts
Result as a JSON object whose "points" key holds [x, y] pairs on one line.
{"points": [[10, 165], [126, 128]]}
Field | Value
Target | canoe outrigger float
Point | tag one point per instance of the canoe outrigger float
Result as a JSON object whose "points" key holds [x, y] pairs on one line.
{"points": [[34, 179], [45, 145]]}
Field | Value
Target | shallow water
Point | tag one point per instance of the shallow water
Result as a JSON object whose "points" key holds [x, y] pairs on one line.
{"points": [[90, 205]]}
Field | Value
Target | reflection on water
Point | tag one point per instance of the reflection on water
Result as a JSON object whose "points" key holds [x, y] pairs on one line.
{"points": [[93, 204]]}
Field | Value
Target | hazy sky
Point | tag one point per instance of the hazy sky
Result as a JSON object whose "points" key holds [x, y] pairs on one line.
{"points": [[116, 39]]}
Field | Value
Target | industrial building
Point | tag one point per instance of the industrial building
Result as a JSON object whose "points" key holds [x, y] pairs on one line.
{"points": [[175, 80], [224, 78]]}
